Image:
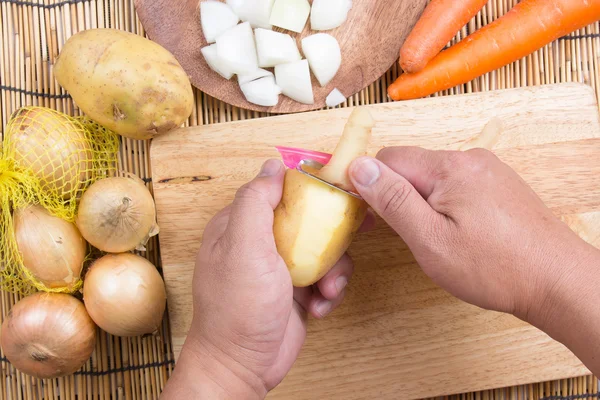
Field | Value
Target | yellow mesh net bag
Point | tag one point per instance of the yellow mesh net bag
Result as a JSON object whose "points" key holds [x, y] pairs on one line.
{"points": [[47, 158]]}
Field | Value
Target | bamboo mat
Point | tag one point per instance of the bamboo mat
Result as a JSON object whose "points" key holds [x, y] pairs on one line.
{"points": [[31, 36]]}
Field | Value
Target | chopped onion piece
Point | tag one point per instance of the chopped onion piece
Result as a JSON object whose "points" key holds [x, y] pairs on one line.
{"points": [[275, 48], [324, 55], [236, 49], [329, 14], [335, 98], [213, 61], [290, 14], [257, 12], [263, 91], [294, 81], [254, 75], [236, 6], [216, 18]]}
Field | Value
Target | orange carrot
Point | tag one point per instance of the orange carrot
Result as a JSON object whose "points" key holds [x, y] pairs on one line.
{"points": [[438, 24], [528, 26]]}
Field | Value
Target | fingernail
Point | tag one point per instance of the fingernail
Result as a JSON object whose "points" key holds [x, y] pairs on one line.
{"points": [[340, 283], [323, 307], [365, 172], [270, 168]]}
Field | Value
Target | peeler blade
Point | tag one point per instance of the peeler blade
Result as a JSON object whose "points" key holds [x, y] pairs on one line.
{"points": [[317, 165]]}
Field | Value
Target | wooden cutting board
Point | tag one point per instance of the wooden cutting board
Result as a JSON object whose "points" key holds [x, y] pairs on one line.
{"points": [[397, 336], [370, 41]]}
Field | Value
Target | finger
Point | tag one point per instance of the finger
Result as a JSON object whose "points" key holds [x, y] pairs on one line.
{"points": [[394, 199], [320, 307], [251, 215], [369, 222], [302, 296], [216, 226], [335, 281], [418, 166]]}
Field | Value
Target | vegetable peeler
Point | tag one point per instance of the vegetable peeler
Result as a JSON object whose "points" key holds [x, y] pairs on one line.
{"points": [[317, 166]]}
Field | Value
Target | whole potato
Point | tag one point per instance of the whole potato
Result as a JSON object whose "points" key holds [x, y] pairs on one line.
{"points": [[125, 82]]}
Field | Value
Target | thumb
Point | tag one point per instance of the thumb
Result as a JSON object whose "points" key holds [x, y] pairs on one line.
{"points": [[251, 213], [394, 199]]}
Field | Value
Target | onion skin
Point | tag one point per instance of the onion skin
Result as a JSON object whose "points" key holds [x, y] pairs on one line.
{"points": [[125, 295], [117, 215], [48, 335], [53, 147], [52, 249]]}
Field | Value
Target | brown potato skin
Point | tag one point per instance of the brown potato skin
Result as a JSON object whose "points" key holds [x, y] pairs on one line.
{"points": [[287, 224], [125, 82]]}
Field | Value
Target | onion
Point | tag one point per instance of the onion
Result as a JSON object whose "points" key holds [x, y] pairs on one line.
{"points": [[290, 14], [53, 147], [48, 335], [236, 6], [52, 249], [275, 48], [324, 56], [216, 18], [117, 215], [125, 295], [263, 91], [294, 81], [257, 74], [329, 14], [256, 12], [335, 98], [236, 49], [214, 62]]}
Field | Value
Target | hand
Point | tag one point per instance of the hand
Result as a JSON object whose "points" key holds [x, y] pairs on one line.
{"points": [[474, 226], [249, 322]]}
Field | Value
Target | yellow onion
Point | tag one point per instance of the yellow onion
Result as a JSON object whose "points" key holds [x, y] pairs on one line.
{"points": [[52, 249], [125, 295], [117, 215], [53, 147], [48, 335]]}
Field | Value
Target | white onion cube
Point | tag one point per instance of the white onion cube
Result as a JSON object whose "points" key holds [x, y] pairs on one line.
{"points": [[290, 14], [329, 14], [275, 48], [257, 12], [237, 50], [294, 81], [216, 18], [210, 55], [254, 75], [324, 56], [263, 92], [335, 98], [236, 6]]}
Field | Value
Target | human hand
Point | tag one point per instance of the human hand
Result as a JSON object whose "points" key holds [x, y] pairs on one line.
{"points": [[474, 226], [249, 322]]}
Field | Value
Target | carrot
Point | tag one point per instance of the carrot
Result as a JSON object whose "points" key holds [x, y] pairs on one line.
{"points": [[528, 26], [438, 24]]}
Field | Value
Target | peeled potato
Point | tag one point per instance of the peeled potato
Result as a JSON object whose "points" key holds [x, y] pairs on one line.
{"points": [[315, 223], [125, 82], [314, 226]]}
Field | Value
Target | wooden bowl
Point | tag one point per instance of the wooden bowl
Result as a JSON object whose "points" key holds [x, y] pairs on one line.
{"points": [[370, 41]]}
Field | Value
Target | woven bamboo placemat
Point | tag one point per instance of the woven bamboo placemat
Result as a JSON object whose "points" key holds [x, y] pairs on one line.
{"points": [[31, 36]]}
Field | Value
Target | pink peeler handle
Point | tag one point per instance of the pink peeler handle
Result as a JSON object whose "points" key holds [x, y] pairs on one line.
{"points": [[292, 156]]}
